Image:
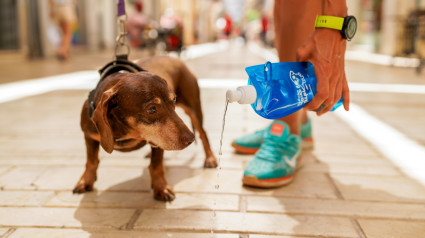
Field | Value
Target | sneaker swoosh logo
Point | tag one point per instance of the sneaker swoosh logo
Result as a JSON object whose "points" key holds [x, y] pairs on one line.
{"points": [[293, 161]]}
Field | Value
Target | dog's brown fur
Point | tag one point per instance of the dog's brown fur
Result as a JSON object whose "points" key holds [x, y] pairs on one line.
{"points": [[135, 109]]}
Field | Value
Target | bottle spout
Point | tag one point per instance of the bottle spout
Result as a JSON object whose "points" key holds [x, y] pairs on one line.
{"points": [[233, 95], [242, 95]]}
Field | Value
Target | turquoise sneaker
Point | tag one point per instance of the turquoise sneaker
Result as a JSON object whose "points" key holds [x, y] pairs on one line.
{"points": [[249, 144], [275, 162]]}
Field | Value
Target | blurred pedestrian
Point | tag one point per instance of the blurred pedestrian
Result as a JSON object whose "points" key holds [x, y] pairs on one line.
{"points": [[264, 28], [277, 148], [227, 30], [136, 25], [172, 30], [63, 13]]}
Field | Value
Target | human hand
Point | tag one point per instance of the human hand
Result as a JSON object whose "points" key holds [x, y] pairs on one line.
{"points": [[325, 49]]}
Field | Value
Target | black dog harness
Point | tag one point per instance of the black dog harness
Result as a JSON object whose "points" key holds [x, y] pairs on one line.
{"points": [[120, 64]]}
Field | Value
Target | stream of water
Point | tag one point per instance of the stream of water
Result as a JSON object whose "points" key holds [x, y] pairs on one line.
{"points": [[220, 154]]}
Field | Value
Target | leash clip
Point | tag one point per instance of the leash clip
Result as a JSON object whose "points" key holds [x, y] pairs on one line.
{"points": [[122, 50]]}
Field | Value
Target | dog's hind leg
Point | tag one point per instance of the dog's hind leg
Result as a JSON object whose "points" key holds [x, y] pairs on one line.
{"points": [[89, 176], [195, 115], [189, 98], [161, 190]]}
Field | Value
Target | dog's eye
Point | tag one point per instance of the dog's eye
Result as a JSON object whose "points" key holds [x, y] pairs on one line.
{"points": [[152, 110], [175, 100]]}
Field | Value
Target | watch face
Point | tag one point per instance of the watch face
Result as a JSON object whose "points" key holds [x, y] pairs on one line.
{"points": [[350, 31]]}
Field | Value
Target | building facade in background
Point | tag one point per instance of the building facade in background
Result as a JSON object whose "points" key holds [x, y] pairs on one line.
{"points": [[385, 26]]}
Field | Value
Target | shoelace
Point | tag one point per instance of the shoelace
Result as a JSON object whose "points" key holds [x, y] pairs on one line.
{"points": [[270, 148]]}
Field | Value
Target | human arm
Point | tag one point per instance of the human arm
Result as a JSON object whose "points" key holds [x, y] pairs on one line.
{"points": [[325, 49]]}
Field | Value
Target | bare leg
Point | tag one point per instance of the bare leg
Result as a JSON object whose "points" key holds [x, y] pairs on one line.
{"points": [[289, 37], [64, 50]]}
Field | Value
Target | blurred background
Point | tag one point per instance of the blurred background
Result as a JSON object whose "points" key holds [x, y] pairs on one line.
{"points": [[390, 27], [365, 175]]}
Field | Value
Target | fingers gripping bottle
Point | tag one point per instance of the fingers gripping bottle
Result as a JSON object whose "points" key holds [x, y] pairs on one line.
{"points": [[276, 90]]}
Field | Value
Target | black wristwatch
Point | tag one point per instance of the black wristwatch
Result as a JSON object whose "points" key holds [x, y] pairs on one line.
{"points": [[346, 25]]}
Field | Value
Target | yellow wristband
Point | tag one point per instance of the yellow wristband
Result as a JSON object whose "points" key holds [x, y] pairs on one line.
{"points": [[329, 22]]}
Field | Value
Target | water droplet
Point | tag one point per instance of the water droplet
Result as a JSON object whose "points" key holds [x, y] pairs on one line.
{"points": [[220, 153]]}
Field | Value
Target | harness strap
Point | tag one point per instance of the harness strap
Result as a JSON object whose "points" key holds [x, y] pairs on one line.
{"points": [[110, 68]]}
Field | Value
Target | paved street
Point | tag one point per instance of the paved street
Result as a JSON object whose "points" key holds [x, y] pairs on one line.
{"points": [[364, 177]]}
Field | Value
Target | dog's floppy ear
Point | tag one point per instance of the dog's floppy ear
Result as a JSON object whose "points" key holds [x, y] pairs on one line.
{"points": [[100, 119]]}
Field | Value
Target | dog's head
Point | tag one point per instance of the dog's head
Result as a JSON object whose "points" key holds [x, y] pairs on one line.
{"points": [[140, 106]]}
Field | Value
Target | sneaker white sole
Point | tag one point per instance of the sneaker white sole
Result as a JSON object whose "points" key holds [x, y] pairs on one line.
{"points": [[253, 181]]}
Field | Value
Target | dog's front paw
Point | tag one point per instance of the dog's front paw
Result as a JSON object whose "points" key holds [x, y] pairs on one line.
{"points": [[82, 187], [85, 184], [210, 162], [166, 194]]}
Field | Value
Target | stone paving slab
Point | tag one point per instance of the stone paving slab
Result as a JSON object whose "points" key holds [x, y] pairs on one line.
{"points": [[374, 161], [246, 222], [358, 169], [21, 178], [139, 200], [267, 236], [86, 233], [230, 182], [25, 198], [136, 161], [4, 169], [3, 231], [389, 228], [379, 188], [336, 207], [64, 217]]}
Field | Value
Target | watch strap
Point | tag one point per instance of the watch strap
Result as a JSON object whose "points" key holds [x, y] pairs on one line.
{"points": [[329, 22]]}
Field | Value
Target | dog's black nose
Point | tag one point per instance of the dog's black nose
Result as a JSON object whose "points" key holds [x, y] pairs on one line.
{"points": [[188, 138]]}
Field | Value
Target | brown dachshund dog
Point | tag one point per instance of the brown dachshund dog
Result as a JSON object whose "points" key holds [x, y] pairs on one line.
{"points": [[135, 109]]}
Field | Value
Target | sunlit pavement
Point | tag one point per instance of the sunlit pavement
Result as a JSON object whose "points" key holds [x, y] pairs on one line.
{"points": [[365, 177]]}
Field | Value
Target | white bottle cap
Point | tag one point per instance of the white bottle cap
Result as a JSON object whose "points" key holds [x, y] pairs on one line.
{"points": [[242, 95]]}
